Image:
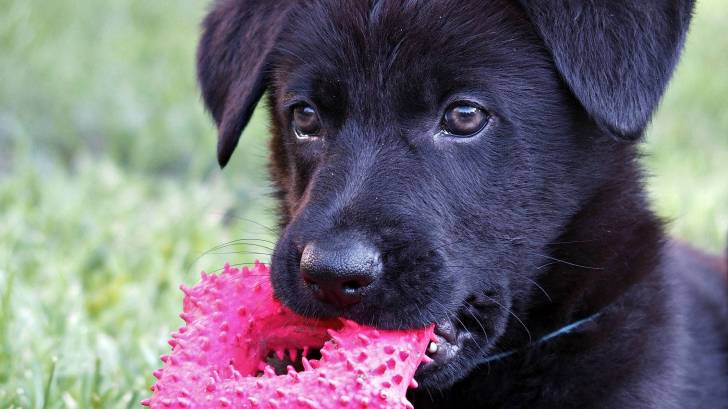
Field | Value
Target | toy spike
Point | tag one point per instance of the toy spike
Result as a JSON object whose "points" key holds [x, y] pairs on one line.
{"points": [[306, 365]]}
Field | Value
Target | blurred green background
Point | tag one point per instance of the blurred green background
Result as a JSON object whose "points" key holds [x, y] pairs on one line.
{"points": [[109, 191]]}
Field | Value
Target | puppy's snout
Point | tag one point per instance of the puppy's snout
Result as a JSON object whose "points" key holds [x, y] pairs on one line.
{"points": [[339, 271]]}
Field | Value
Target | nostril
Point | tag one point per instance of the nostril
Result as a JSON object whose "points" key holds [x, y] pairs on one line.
{"points": [[352, 286]]}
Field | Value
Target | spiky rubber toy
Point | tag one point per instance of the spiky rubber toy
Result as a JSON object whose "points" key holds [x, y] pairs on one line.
{"points": [[235, 329]]}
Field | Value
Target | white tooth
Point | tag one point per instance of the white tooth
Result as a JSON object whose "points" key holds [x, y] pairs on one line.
{"points": [[432, 348]]}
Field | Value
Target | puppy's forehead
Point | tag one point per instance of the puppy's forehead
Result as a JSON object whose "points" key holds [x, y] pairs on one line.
{"points": [[420, 45]]}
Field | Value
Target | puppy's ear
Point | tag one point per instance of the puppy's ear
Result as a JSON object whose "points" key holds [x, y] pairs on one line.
{"points": [[232, 59], [616, 56]]}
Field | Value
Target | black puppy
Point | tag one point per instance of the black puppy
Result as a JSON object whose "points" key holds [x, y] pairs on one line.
{"points": [[473, 163]]}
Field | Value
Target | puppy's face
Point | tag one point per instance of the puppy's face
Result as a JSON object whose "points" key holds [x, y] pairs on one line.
{"points": [[427, 153], [440, 139]]}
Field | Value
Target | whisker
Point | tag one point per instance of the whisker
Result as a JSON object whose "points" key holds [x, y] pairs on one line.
{"points": [[481, 327], [432, 399], [530, 339], [262, 246], [268, 228], [542, 266], [458, 320], [245, 241], [480, 324], [540, 288], [251, 253], [569, 263], [246, 264]]}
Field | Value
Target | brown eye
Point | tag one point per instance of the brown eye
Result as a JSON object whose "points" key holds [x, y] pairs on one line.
{"points": [[464, 119], [306, 121]]}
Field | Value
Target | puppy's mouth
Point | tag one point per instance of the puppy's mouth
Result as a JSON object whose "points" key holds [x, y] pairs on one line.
{"points": [[450, 340], [465, 329]]}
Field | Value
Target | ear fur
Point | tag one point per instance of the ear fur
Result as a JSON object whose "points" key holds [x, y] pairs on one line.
{"points": [[232, 58], [616, 56]]}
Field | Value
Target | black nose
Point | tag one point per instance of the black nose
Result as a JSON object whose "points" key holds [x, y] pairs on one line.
{"points": [[339, 270]]}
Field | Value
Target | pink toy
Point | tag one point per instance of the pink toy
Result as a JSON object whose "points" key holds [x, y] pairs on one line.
{"points": [[236, 330]]}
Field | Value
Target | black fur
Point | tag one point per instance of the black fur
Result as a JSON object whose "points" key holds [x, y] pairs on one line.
{"points": [[615, 56], [539, 220]]}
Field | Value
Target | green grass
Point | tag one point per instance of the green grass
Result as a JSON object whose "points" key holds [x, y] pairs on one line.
{"points": [[109, 190], [687, 149]]}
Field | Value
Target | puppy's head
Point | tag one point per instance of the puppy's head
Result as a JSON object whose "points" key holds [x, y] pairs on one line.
{"points": [[427, 152]]}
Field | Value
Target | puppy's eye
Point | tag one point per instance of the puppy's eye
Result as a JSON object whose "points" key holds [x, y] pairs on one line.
{"points": [[306, 122], [464, 119]]}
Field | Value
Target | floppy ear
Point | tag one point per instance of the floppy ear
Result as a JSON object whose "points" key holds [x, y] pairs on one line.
{"points": [[232, 58], [616, 56]]}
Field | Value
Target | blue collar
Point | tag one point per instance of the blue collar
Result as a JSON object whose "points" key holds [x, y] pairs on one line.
{"points": [[546, 338]]}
